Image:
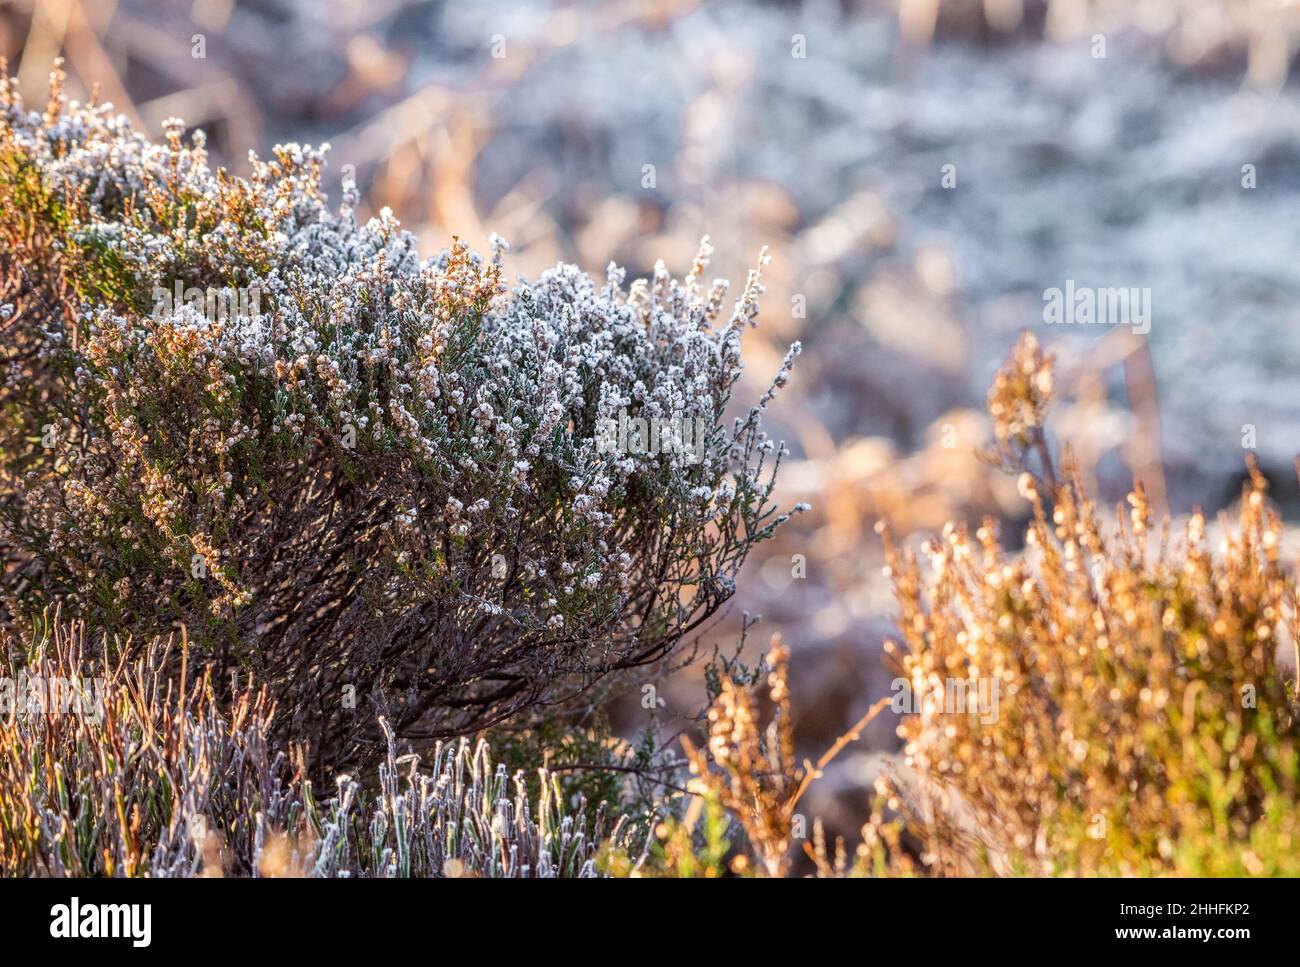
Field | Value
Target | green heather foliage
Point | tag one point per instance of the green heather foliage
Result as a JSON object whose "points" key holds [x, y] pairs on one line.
{"points": [[351, 472]]}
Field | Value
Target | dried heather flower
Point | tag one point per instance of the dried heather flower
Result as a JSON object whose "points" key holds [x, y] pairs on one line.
{"points": [[1143, 726]]}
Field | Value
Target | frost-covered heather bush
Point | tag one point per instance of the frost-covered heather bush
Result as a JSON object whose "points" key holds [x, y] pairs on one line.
{"points": [[151, 783], [385, 479]]}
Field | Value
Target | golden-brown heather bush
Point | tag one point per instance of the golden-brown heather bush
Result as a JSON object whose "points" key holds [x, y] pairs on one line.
{"points": [[747, 779], [740, 816], [1143, 722], [1109, 701]]}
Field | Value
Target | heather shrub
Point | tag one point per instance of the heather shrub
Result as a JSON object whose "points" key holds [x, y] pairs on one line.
{"points": [[1141, 722], [741, 815], [1110, 700], [119, 770], [383, 485]]}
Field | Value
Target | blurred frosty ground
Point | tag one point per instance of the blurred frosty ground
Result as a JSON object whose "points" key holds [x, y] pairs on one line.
{"points": [[536, 121]]}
